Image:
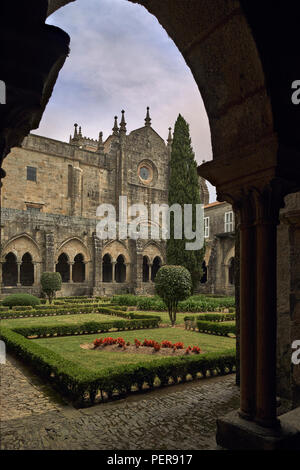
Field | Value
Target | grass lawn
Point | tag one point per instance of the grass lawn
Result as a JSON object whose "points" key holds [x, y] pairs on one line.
{"points": [[57, 320], [69, 347]]}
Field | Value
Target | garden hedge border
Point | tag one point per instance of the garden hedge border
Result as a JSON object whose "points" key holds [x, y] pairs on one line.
{"points": [[215, 328], [47, 310], [81, 386], [190, 321], [189, 305], [41, 331]]}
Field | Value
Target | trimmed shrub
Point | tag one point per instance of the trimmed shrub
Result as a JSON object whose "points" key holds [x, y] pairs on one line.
{"points": [[216, 328], [20, 299], [172, 284], [51, 283], [191, 321]]}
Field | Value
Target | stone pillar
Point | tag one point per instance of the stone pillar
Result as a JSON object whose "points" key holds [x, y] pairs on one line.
{"points": [[71, 271], [128, 273], [49, 258], [247, 312], [97, 261], [139, 273], [267, 214], [150, 271], [35, 273], [19, 274], [113, 271]]}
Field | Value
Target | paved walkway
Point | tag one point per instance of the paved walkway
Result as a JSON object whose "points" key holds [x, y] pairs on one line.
{"points": [[181, 417]]}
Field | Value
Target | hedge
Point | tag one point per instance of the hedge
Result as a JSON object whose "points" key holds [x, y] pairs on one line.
{"points": [[82, 386], [50, 310], [190, 321], [215, 328], [193, 304], [85, 327], [43, 311], [20, 299]]}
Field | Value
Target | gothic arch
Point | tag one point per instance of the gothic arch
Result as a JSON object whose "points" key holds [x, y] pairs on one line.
{"points": [[21, 244], [152, 250], [115, 248], [72, 247], [230, 254]]}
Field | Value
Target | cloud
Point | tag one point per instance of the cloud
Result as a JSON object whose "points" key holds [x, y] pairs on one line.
{"points": [[121, 58]]}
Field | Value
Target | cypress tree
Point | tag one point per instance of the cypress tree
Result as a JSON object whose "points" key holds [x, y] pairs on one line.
{"points": [[183, 189]]}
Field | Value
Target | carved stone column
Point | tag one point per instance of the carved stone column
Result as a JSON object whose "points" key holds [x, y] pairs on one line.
{"points": [[247, 312], [49, 258], [97, 261], [71, 264], [267, 214], [113, 271], [19, 274]]}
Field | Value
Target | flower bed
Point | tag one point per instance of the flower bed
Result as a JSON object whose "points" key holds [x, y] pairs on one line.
{"points": [[148, 346]]}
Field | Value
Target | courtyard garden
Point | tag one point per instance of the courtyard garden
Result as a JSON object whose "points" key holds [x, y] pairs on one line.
{"points": [[97, 349]]}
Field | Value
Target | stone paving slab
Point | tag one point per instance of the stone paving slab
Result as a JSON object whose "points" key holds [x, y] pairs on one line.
{"points": [[181, 417]]}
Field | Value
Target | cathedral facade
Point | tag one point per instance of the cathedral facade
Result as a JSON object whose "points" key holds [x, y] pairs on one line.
{"points": [[49, 202]]}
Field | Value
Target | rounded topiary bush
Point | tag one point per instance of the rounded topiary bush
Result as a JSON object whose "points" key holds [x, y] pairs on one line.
{"points": [[20, 299], [173, 284], [51, 282]]}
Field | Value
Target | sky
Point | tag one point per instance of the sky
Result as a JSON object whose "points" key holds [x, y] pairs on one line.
{"points": [[122, 58]]}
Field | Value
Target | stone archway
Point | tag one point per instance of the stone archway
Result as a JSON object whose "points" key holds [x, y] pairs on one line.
{"points": [[78, 269], [63, 267], [155, 267], [10, 270], [203, 279], [146, 269], [255, 138], [27, 270], [120, 269], [107, 268]]}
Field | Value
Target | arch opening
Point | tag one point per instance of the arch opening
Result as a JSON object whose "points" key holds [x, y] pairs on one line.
{"points": [[106, 268], [120, 269], [63, 267], [27, 270], [155, 267], [10, 270], [78, 271], [203, 279], [146, 269]]}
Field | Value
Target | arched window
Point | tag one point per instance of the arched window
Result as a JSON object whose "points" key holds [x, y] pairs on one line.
{"points": [[231, 271], [27, 270], [10, 270], [106, 268], [63, 267], [78, 271], [203, 279], [155, 267], [145, 269], [120, 269]]}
